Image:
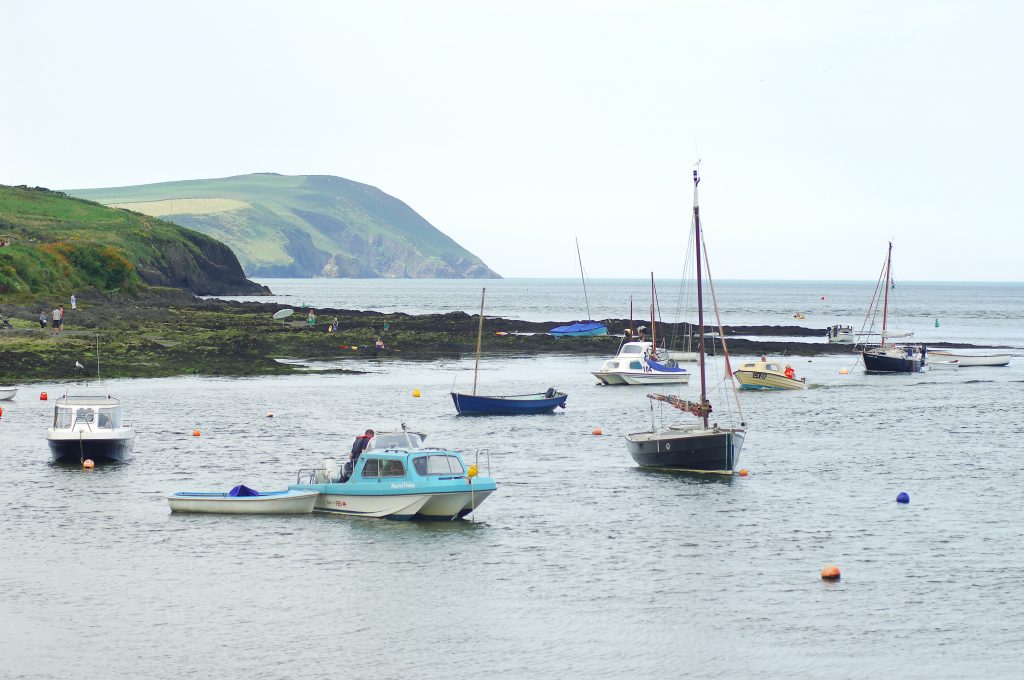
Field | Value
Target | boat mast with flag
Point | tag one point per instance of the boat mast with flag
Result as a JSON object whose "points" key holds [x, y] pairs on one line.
{"points": [[888, 357], [705, 446]]}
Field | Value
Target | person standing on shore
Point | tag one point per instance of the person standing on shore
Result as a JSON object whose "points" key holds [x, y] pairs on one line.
{"points": [[311, 319], [74, 302], [61, 308], [55, 328], [42, 320]]}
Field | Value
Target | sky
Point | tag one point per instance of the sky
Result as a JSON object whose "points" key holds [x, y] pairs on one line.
{"points": [[824, 129]]}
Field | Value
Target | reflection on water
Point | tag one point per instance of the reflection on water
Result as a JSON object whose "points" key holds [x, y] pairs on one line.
{"points": [[580, 565]]}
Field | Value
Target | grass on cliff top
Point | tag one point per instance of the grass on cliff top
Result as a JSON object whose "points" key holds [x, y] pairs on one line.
{"points": [[59, 244]]}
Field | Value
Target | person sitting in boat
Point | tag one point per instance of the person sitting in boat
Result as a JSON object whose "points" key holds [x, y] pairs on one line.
{"points": [[764, 357], [379, 344], [790, 373], [642, 333], [358, 446]]}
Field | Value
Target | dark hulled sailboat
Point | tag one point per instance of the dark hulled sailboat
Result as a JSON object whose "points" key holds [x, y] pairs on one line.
{"points": [[887, 357], [704, 446]]}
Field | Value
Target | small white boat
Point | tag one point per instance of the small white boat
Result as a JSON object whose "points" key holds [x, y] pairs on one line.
{"points": [[89, 427], [935, 355], [635, 364], [944, 365], [247, 502], [840, 334], [7, 393]]}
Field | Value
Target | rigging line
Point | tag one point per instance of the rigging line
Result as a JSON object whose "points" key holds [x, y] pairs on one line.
{"points": [[872, 310], [583, 279], [721, 332]]}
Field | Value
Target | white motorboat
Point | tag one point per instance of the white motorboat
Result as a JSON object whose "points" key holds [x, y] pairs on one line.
{"points": [[841, 334], [244, 501], [935, 356], [636, 364], [7, 393], [89, 427]]}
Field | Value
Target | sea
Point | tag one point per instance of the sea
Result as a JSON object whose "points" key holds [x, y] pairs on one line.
{"points": [[581, 565]]}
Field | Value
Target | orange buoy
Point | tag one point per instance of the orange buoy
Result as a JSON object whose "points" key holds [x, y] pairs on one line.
{"points": [[270, 414], [195, 433], [744, 472], [88, 464], [42, 396], [844, 371], [597, 431], [830, 572]]}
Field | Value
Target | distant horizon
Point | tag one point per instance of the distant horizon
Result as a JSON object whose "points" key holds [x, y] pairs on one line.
{"points": [[621, 278]]}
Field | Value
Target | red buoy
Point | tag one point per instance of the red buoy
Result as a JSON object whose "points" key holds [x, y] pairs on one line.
{"points": [[830, 572], [42, 396]]}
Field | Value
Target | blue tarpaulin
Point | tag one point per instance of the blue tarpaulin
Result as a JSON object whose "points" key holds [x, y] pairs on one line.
{"points": [[584, 328], [243, 490]]}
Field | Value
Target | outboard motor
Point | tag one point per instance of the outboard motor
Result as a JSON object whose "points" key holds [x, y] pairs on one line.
{"points": [[333, 471]]}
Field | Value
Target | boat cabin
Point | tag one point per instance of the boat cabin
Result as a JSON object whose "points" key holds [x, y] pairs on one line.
{"points": [[87, 413], [391, 465]]}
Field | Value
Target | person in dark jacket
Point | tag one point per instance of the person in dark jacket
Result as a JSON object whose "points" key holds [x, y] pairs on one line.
{"points": [[358, 446]]}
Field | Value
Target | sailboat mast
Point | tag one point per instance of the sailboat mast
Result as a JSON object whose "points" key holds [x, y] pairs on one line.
{"points": [[654, 324], [583, 279], [700, 302], [479, 338], [888, 282]]}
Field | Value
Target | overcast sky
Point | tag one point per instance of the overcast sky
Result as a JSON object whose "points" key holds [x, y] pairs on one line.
{"points": [[824, 128]]}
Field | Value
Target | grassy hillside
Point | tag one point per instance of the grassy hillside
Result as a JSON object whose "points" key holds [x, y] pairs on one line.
{"points": [[305, 225], [58, 244]]}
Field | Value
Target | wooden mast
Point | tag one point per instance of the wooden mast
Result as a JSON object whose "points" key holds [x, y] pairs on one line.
{"points": [[479, 338], [654, 324], [700, 304], [888, 282]]}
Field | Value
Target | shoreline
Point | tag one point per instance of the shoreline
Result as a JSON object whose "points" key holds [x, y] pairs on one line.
{"points": [[166, 332]]}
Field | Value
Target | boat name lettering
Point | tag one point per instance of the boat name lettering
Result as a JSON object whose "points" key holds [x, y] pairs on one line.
{"points": [[757, 374], [403, 485]]}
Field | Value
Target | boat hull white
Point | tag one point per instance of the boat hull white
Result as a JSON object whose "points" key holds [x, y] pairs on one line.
{"points": [[766, 380], [7, 393], [447, 505], [292, 503], [965, 360], [74, 446], [641, 378], [680, 355]]}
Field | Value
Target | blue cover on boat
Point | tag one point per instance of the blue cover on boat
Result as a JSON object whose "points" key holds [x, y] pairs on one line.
{"points": [[577, 328], [243, 490], [662, 368]]}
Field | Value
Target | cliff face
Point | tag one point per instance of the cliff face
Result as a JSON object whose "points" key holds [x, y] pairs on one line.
{"points": [[304, 226], [56, 243]]}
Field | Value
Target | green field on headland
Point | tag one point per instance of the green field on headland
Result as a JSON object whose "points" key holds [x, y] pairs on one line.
{"points": [[53, 244]]}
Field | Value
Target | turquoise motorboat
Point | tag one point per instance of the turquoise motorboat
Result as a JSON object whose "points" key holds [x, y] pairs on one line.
{"points": [[398, 480]]}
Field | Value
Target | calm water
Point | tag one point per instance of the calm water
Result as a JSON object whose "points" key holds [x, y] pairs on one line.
{"points": [[581, 565]]}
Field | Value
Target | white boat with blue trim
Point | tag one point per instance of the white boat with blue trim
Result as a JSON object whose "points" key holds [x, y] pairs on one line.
{"points": [[637, 364], [242, 500], [397, 478]]}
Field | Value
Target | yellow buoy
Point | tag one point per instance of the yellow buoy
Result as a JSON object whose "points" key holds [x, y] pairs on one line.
{"points": [[472, 472], [597, 431], [88, 464], [195, 433], [744, 472], [416, 393], [844, 371], [830, 572]]}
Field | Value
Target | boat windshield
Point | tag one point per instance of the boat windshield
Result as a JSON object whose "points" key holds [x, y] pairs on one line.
{"points": [[634, 348], [438, 465], [395, 440], [62, 418]]}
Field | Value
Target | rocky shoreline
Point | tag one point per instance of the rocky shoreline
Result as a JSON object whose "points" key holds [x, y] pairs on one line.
{"points": [[166, 332]]}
